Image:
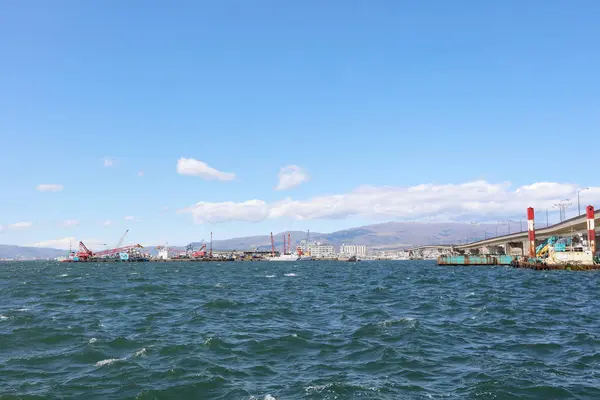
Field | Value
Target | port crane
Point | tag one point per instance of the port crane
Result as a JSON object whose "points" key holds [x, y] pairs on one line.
{"points": [[200, 252], [120, 242], [85, 254]]}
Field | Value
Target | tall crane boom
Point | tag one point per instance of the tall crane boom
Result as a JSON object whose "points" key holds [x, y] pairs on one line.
{"points": [[120, 242], [117, 250]]}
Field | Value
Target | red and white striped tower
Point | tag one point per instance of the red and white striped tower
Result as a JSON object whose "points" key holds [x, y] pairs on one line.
{"points": [[531, 231], [591, 226]]}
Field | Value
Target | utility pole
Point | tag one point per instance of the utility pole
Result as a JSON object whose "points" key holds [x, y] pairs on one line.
{"points": [[562, 207], [547, 224], [578, 205]]}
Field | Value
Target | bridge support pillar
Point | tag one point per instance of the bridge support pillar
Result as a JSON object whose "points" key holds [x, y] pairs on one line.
{"points": [[591, 228], [531, 231]]}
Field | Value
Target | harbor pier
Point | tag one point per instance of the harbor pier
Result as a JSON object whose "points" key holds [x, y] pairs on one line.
{"points": [[570, 244]]}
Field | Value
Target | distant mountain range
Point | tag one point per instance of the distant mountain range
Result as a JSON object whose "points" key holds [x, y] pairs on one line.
{"points": [[386, 236], [22, 252]]}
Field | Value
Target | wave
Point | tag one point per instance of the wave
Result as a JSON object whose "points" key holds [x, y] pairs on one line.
{"points": [[108, 361], [140, 352], [341, 390], [221, 304]]}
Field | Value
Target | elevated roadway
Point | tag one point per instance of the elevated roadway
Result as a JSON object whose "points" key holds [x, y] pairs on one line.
{"points": [[570, 226]]}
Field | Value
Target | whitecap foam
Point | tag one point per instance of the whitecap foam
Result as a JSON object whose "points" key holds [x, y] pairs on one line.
{"points": [[92, 340], [269, 397], [140, 352], [290, 274], [3, 317], [269, 276], [108, 361], [22, 309], [63, 275], [219, 285], [134, 273], [410, 321], [471, 294]]}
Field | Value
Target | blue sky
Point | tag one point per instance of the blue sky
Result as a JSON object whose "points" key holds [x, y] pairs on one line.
{"points": [[388, 94]]}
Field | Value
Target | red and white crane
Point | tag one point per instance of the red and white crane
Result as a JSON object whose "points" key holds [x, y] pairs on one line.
{"points": [[85, 254]]}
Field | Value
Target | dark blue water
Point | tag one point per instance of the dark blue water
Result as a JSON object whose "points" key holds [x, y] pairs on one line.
{"points": [[370, 330]]}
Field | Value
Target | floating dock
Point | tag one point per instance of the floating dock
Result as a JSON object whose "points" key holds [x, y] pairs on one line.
{"points": [[489, 259]]}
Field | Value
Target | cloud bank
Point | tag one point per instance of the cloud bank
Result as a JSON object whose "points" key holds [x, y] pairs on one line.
{"points": [[70, 242], [109, 162], [477, 200], [193, 167], [291, 176], [69, 223], [47, 187], [20, 225]]}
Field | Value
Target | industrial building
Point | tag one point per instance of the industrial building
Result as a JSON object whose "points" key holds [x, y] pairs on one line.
{"points": [[349, 250]]}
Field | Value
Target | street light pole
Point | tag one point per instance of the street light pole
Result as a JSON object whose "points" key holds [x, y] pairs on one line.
{"points": [[578, 205]]}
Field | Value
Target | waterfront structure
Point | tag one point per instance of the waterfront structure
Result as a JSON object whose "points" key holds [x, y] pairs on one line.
{"points": [[517, 244], [569, 244], [319, 250], [349, 250], [390, 255]]}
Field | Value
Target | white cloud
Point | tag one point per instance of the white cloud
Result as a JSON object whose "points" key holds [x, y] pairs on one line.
{"points": [[193, 167], [141, 173], [69, 223], [20, 225], [48, 187], [251, 211], [478, 200], [109, 161], [107, 222], [291, 176], [71, 241], [131, 218]]}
